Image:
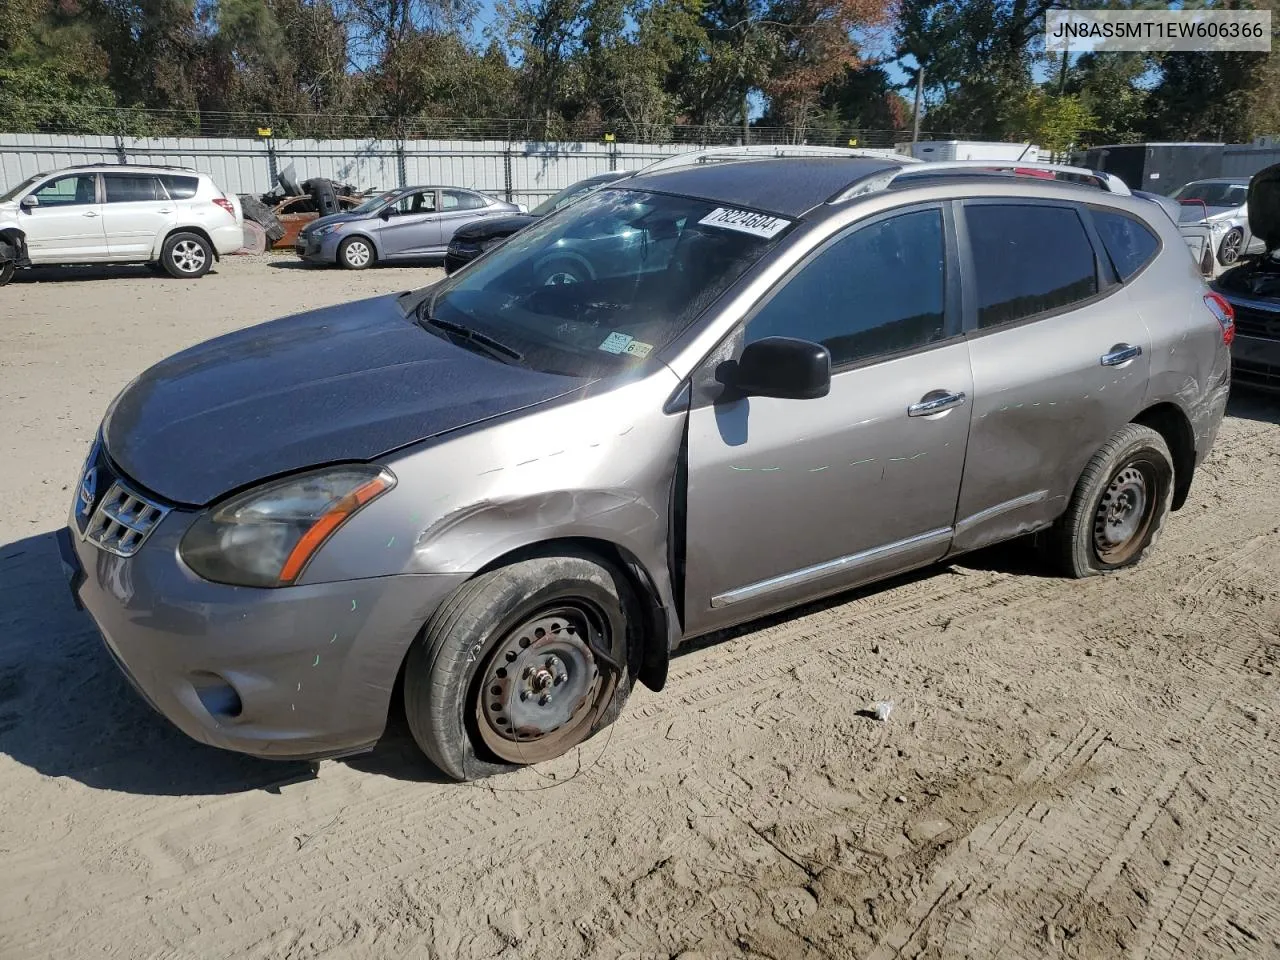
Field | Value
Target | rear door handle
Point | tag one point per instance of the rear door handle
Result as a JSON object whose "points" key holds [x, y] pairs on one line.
{"points": [[1120, 353], [935, 402]]}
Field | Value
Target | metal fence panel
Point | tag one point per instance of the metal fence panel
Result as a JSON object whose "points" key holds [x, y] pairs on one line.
{"points": [[1244, 161]]}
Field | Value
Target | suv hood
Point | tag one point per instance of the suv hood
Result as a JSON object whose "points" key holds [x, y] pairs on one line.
{"points": [[350, 382], [491, 227], [1264, 206]]}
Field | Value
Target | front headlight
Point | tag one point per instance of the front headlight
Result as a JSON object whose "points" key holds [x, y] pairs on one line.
{"points": [[265, 536], [325, 230]]}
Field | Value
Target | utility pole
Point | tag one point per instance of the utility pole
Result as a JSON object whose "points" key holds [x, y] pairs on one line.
{"points": [[915, 132]]}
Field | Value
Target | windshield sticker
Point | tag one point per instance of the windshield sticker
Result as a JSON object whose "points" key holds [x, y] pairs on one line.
{"points": [[746, 221], [616, 343], [638, 348]]}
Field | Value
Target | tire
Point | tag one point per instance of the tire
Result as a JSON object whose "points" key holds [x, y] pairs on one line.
{"points": [[561, 271], [187, 256], [356, 253], [257, 211], [1134, 467], [1231, 247], [458, 693], [7, 270]]}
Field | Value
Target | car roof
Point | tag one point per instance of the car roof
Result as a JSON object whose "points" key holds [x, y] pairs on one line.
{"points": [[1235, 181], [787, 186]]}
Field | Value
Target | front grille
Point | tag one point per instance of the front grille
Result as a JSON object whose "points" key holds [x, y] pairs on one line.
{"points": [[1252, 322], [123, 521], [1263, 376]]}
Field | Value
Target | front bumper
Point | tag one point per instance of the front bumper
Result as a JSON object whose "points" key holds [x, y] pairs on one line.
{"points": [[456, 257], [299, 672], [317, 249]]}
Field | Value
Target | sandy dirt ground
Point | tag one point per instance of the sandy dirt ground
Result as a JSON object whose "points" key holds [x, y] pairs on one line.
{"points": [[1080, 769]]}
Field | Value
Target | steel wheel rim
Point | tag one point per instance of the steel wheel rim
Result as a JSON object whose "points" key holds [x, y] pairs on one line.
{"points": [[1231, 245], [357, 253], [542, 688], [188, 256], [1124, 512]]}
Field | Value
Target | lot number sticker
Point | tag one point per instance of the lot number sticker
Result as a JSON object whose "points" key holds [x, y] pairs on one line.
{"points": [[623, 343], [746, 221]]}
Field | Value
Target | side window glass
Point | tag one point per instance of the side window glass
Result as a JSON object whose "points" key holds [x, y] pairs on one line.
{"points": [[1129, 244], [878, 290], [1028, 259], [458, 200], [424, 201], [74, 190], [180, 188], [122, 189]]}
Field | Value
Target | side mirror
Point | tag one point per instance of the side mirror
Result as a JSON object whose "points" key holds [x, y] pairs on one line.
{"points": [[30, 202], [784, 367], [386, 212]]}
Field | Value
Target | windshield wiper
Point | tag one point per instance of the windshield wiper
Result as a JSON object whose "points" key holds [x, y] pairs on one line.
{"points": [[494, 347]]}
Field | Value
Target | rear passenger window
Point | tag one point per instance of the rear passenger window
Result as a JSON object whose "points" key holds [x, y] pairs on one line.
{"points": [[180, 188], [121, 189], [875, 291], [458, 200], [1130, 244], [1028, 259]]}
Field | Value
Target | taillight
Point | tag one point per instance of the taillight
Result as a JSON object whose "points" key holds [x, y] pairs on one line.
{"points": [[226, 205], [1224, 313]]}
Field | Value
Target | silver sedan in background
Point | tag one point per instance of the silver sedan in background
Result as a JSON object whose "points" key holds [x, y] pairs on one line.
{"points": [[404, 224], [1221, 205]]}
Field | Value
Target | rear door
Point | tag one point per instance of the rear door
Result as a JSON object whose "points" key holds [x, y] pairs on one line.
{"points": [[412, 229], [66, 224], [1060, 355], [137, 212], [458, 208]]}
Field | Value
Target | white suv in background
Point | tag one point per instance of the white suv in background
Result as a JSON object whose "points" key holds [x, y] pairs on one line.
{"points": [[169, 217]]}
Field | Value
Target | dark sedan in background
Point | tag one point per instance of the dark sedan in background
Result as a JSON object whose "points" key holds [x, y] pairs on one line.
{"points": [[474, 239]]}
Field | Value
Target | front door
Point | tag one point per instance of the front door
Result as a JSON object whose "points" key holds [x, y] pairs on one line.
{"points": [[1061, 358], [136, 214], [66, 224], [412, 230], [791, 499]]}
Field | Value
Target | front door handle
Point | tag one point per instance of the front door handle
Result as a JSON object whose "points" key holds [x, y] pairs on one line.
{"points": [[935, 402], [90, 213], [1120, 353]]}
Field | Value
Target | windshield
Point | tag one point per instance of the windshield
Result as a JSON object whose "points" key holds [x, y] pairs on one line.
{"points": [[13, 194], [570, 194], [1215, 194], [595, 289], [373, 204]]}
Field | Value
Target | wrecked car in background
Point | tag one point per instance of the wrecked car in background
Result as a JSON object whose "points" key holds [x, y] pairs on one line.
{"points": [[1253, 289], [1220, 205]]}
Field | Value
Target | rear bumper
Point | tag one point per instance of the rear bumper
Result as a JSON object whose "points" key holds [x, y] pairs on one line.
{"points": [[228, 239]]}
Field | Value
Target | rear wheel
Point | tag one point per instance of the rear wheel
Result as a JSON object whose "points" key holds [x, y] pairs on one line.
{"points": [[1119, 506], [355, 253], [521, 665], [186, 256], [7, 270]]}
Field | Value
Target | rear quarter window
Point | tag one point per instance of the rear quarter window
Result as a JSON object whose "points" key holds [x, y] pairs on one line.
{"points": [[1029, 259], [1129, 243], [180, 188]]}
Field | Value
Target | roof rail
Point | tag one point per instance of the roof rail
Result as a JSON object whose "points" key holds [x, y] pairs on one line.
{"points": [[881, 180], [764, 152]]}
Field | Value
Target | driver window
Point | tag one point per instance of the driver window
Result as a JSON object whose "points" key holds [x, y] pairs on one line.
{"points": [[69, 191], [424, 201], [878, 290]]}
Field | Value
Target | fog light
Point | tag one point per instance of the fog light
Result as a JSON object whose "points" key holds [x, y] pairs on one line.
{"points": [[217, 696]]}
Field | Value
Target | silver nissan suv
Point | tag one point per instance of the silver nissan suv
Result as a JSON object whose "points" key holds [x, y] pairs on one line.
{"points": [[506, 499]]}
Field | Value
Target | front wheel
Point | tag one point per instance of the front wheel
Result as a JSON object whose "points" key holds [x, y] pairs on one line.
{"points": [[1119, 506], [355, 253], [186, 256], [523, 664], [1231, 247], [7, 270]]}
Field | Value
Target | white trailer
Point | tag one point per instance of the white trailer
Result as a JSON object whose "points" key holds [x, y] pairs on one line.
{"points": [[971, 150]]}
